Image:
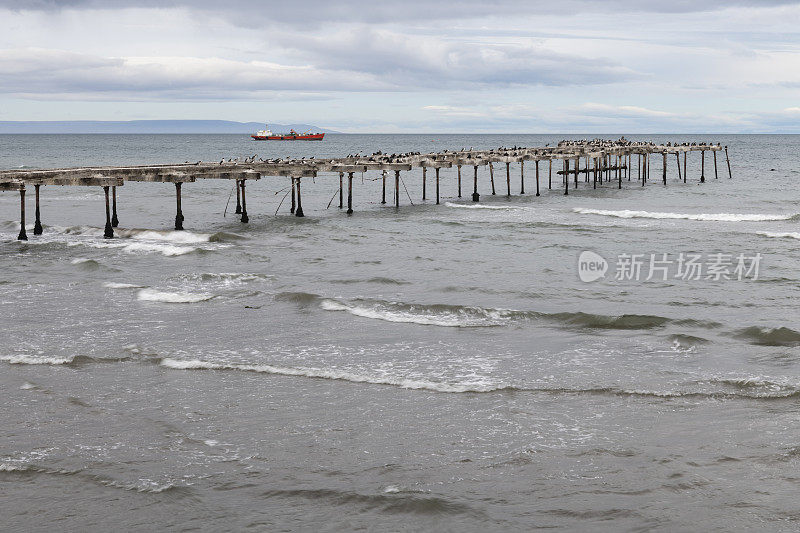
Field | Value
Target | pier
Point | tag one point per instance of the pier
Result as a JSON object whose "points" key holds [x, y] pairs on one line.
{"points": [[596, 162]]}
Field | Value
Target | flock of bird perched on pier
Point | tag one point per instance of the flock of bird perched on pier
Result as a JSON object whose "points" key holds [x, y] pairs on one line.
{"points": [[603, 161]]}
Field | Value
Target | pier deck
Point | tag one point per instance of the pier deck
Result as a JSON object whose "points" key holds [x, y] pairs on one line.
{"points": [[603, 161]]}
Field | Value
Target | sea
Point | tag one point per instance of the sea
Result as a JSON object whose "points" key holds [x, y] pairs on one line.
{"points": [[614, 359]]}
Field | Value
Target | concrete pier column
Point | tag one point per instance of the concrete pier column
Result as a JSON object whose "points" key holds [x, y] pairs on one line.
{"points": [[294, 197], [522, 177], [550, 174], [594, 173], [491, 177], [508, 179], [37, 225], [475, 196], [179, 211], [459, 181], [108, 233], [23, 236], [245, 218], [341, 190], [114, 219], [537, 177], [566, 177], [383, 187], [299, 211], [678, 164], [350, 193], [664, 170]]}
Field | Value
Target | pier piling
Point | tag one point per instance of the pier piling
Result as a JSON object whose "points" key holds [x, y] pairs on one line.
{"points": [[245, 218], [37, 225], [341, 190], [508, 178], [179, 211], [702, 166], [239, 199], [350, 192], [727, 159], [108, 233], [475, 196], [459, 181], [299, 211], [294, 196], [522, 177], [23, 236], [437, 185], [424, 183], [491, 177], [537, 177], [114, 218]]}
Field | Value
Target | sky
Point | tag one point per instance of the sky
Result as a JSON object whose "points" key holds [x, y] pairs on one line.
{"points": [[505, 66]]}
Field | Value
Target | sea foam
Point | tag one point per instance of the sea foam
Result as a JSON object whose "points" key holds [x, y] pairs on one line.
{"points": [[152, 295]]}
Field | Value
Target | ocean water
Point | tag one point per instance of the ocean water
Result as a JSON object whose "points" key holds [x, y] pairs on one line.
{"points": [[427, 368]]}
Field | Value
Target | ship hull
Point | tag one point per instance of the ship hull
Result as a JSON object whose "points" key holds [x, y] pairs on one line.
{"points": [[312, 137]]}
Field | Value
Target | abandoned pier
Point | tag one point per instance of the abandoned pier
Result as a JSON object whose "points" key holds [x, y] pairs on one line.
{"points": [[592, 162]]}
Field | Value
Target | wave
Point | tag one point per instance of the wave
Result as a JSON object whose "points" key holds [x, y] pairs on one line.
{"points": [[387, 502], [482, 206], [378, 279], [35, 360], [447, 316], [471, 316], [712, 217], [338, 375], [169, 250], [784, 235], [115, 285], [781, 336], [152, 295]]}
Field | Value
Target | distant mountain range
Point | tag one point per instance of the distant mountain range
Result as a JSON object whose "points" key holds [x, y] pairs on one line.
{"points": [[149, 126]]}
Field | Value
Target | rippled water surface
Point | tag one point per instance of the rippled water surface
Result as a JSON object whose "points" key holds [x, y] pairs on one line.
{"points": [[433, 367]]}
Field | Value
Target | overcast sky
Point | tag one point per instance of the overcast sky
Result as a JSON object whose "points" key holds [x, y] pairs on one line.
{"points": [[616, 66]]}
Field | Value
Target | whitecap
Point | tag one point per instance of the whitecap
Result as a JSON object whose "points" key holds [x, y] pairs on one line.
{"points": [[784, 235], [35, 360], [482, 206], [115, 285], [377, 312], [152, 295], [169, 250], [340, 375], [706, 217]]}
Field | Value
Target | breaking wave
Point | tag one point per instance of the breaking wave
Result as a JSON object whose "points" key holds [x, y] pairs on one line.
{"points": [[339, 375], [152, 295], [472, 316], [115, 285], [713, 217], [482, 206], [784, 235], [35, 360]]}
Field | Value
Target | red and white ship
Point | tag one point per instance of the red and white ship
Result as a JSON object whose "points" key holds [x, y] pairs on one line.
{"points": [[267, 135]]}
